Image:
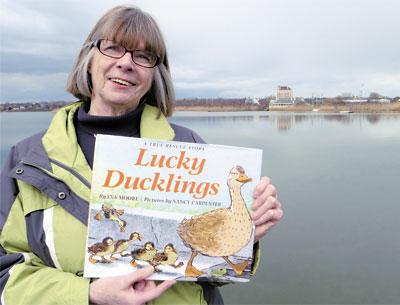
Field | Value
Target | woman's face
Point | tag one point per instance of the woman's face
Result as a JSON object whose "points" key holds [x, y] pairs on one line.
{"points": [[117, 84]]}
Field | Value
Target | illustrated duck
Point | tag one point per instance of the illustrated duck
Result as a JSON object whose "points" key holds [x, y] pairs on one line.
{"points": [[122, 245], [220, 232], [147, 253], [113, 214], [106, 247], [168, 257]]}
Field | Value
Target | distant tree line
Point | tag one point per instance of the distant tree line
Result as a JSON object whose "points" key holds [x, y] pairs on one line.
{"points": [[228, 103], [33, 106], [219, 102]]}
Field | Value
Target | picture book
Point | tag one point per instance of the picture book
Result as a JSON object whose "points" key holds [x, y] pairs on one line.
{"points": [[183, 208]]}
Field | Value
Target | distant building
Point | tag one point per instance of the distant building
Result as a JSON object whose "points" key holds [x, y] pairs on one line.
{"points": [[284, 93], [355, 100], [379, 100], [252, 100], [284, 97]]}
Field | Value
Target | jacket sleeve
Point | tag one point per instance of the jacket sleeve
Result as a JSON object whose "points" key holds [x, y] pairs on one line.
{"points": [[24, 277], [256, 258]]}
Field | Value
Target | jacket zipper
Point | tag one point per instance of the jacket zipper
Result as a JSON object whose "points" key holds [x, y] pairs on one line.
{"points": [[73, 172], [70, 170]]}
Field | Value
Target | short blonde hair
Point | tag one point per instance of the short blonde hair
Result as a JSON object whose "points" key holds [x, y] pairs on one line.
{"points": [[128, 26]]}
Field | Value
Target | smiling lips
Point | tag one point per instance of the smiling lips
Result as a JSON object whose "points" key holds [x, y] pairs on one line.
{"points": [[122, 82]]}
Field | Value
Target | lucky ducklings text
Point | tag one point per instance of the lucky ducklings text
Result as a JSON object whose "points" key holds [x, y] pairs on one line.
{"points": [[194, 166]]}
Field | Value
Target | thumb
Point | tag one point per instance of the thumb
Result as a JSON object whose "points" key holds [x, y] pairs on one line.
{"points": [[139, 275]]}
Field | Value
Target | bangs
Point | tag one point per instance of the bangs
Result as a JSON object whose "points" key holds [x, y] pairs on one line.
{"points": [[130, 30]]}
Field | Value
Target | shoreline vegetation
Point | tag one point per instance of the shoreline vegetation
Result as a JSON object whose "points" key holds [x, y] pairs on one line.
{"points": [[393, 107], [234, 105]]}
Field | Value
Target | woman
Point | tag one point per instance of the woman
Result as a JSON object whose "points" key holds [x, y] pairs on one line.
{"points": [[123, 82]]}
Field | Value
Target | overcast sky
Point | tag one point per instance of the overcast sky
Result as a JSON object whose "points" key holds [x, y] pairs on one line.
{"points": [[217, 48]]}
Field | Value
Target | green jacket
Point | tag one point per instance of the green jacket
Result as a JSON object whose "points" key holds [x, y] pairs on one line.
{"points": [[45, 188]]}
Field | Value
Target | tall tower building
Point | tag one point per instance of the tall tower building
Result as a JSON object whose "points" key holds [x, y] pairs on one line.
{"points": [[284, 93]]}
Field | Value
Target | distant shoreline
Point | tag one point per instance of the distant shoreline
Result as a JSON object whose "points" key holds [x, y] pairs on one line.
{"points": [[393, 107], [323, 108]]}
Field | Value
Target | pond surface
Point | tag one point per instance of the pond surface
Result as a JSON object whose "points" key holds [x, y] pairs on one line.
{"points": [[338, 177]]}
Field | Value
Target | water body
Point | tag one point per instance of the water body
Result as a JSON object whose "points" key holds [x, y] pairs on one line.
{"points": [[338, 177]]}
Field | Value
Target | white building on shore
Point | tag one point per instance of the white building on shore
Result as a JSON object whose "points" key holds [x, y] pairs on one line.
{"points": [[284, 97]]}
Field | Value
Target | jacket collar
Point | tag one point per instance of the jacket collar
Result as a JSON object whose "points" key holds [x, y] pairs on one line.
{"points": [[61, 144], [154, 125]]}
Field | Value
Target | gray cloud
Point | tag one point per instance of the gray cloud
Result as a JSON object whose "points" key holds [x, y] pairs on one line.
{"points": [[32, 87], [219, 48], [33, 64]]}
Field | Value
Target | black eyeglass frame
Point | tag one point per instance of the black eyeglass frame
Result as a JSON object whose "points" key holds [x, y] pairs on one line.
{"points": [[97, 45]]}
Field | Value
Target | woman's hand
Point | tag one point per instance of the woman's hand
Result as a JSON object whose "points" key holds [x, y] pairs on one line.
{"points": [[132, 289], [267, 210]]}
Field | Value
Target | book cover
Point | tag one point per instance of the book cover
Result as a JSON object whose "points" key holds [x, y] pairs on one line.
{"points": [[183, 208]]}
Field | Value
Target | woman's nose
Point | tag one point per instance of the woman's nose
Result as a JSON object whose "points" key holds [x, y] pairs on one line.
{"points": [[126, 63]]}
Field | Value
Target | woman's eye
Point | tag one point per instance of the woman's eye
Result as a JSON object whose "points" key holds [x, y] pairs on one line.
{"points": [[142, 56], [110, 46], [113, 47]]}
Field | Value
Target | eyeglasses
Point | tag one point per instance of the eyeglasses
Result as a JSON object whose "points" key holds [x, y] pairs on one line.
{"points": [[110, 48]]}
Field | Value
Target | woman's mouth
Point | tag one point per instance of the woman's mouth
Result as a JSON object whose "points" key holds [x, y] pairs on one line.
{"points": [[122, 82]]}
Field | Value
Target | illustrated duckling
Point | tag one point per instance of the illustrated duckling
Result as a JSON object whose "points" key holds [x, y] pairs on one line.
{"points": [[113, 214], [102, 249], [168, 257], [220, 232], [145, 254], [123, 244]]}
